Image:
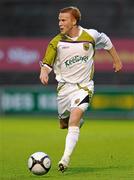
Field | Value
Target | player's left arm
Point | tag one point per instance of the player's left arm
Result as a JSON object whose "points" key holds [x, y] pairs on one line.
{"points": [[102, 41], [117, 64]]}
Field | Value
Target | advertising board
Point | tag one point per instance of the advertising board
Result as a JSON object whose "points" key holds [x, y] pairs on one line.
{"points": [[20, 54]]}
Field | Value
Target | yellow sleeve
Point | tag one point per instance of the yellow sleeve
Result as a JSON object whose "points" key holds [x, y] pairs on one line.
{"points": [[51, 51]]}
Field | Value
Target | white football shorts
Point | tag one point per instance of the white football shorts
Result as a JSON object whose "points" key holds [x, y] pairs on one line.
{"points": [[73, 95]]}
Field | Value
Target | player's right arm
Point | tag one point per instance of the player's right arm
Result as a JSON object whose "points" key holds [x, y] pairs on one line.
{"points": [[48, 61]]}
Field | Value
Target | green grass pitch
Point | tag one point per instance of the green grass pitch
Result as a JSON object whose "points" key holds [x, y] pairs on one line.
{"points": [[105, 150]]}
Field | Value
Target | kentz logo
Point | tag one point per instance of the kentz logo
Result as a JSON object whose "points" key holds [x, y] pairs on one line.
{"points": [[75, 59]]}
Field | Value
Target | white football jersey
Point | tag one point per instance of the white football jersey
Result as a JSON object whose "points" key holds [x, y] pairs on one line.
{"points": [[72, 58]]}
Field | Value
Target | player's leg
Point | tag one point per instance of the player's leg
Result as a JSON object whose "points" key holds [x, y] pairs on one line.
{"points": [[77, 104], [64, 122], [71, 138], [78, 107]]}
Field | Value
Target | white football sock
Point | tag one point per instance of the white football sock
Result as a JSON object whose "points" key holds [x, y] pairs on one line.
{"points": [[71, 140]]}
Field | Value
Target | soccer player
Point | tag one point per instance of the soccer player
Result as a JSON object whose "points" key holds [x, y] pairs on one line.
{"points": [[70, 54]]}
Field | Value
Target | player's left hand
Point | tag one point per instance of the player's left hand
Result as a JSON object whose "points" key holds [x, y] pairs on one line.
{"points": [[117, 66]]}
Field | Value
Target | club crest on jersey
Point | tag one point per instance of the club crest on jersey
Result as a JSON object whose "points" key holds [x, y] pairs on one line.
{"points": [[86, 46], [77, 101]]}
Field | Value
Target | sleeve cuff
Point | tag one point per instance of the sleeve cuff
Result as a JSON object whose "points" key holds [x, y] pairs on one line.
{"points": [[45, 65]]}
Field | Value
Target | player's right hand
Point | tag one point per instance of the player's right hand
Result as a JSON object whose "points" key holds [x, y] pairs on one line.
{"points": [[44, 76]]}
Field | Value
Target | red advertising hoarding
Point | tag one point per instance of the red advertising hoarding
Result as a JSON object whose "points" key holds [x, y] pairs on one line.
{"points": [[20, 54], [125, 49]]}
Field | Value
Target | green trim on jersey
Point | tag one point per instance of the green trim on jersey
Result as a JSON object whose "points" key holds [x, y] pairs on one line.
{"points": [[92, 72], [51, 51], [86, 37], [85, 88], [60, 87]]}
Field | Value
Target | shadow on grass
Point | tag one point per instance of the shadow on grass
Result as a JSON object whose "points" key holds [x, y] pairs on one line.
{"points": [[45, 176], [78, 170], [24, 177]]}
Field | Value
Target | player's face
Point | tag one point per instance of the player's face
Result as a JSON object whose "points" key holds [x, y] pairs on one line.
{"points": [[66, 23]]}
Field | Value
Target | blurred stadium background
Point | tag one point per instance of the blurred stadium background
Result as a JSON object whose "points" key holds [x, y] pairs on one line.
{"points": [[26, 28]]}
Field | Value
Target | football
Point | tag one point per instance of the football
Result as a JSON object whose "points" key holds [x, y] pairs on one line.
{"points": [[39, 163]]}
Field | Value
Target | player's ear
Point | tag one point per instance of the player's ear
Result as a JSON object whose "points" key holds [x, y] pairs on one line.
{"points": [[74, 22]]}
